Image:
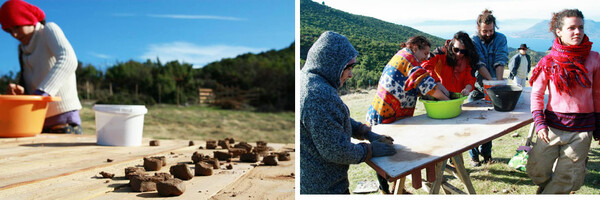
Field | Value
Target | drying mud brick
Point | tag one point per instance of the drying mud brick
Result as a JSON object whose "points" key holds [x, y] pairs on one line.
{"points": [[283, 156], [163, 175], [244, 145], [191, 143], [222, 155], [261, 150], [106, 174], [132, 171], [211, 144], [236, 152], [154, 143], [249, 157], [162, 159], [143, 183], [231, 140], [171, 187], [181, 171], [203, 169], [224, 144], [229, 166], [152, 164], [197, 157], [261, 143], [270, 160], [214, 162]]}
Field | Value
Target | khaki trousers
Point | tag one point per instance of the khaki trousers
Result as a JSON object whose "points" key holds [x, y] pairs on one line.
{"points": [[570, 151]]}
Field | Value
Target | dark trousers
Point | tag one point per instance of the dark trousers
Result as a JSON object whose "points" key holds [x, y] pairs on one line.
{"points": [[484, 150], [383, 184]]}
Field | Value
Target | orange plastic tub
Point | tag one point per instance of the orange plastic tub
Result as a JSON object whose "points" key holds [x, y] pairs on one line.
{"points": [[23, 115]]}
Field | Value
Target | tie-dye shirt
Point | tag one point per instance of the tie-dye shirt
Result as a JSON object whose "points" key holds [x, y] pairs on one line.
{"points": [[401, 82]]}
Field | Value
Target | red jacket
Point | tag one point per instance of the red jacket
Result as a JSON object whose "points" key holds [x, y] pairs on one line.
{"points": [[454, 79]]}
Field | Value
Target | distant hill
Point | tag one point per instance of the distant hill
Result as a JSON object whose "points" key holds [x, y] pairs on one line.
{"points": [[376, 40], [540, 30]]}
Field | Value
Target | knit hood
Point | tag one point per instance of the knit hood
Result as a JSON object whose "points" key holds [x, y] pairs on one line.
{"points": [[328, 57]]}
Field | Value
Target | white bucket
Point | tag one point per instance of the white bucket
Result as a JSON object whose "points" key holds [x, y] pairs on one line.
{"points": [[119, 125]]}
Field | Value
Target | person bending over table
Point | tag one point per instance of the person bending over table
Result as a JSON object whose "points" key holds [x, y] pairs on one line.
{"points": [[451, 64], [493, 56], [326, 150], [402, 81]]}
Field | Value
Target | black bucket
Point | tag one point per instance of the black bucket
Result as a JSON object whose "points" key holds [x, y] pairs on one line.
{"points": [[504, 97]]}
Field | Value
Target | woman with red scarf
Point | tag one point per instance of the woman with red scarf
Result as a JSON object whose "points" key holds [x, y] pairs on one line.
{"points": [[48, 64], [565, 128]]}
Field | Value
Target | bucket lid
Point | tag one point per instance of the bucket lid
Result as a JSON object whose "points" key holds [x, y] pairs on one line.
{"points": [[495, 82], [121, 109]]}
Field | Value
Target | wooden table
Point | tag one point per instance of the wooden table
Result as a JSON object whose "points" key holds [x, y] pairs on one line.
{"points": [[423, 142], [59, 166]]}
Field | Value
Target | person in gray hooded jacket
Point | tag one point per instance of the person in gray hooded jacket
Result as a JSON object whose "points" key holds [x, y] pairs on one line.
{"points": [[326, 150]]}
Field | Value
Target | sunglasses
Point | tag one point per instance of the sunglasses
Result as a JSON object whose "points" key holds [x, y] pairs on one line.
{"points": [[456, 50]]}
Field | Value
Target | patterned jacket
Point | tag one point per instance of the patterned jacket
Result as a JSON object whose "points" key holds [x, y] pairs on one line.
{"points": [[400, 84]]}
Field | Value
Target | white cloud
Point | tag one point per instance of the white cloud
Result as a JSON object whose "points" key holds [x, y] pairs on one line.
{"points": [[99, 55], [194, 54], [197, 17]]}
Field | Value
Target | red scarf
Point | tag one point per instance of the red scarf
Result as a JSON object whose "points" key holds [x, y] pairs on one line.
{"points": [[564, 65]]}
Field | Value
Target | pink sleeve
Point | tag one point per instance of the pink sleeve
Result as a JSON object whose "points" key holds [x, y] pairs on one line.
{"points": [[537, 90], [596, 83]]}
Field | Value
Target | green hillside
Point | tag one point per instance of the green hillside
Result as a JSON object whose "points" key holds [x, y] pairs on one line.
{"points": [[376, 40]]}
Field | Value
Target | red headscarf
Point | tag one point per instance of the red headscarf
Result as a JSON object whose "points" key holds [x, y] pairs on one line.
{"points": [[19, 13]]}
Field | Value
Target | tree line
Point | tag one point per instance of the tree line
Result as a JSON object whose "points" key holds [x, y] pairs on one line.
{"points": [[268, 77]]}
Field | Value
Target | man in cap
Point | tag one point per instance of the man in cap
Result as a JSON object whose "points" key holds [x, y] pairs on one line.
{"points": [[519, 66]]}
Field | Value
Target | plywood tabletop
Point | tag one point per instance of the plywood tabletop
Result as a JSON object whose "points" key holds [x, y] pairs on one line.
{"points": [[421, 141]]}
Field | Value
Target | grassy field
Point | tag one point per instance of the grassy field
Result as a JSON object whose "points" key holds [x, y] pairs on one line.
{"points": [[487, 179], [202, 123]]}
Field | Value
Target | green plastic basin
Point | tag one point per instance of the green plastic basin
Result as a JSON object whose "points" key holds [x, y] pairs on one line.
{"points": [[443, 109]]}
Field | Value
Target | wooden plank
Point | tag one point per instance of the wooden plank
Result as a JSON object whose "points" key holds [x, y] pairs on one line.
{"points": [[430, 172], [462, 173], [439, 177], [420, 140], [416, 179]]}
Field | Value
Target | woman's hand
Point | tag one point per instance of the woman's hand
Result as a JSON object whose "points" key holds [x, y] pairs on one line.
{"points": [[14, 89], [440, 92], [467, 90], [543, 135]]}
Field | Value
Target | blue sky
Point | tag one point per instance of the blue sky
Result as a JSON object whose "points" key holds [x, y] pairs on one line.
{"points": [[443, 18], [103, 32]]}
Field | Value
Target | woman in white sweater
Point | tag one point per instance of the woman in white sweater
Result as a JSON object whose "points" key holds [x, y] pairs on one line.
{"points": [[48, 64]]}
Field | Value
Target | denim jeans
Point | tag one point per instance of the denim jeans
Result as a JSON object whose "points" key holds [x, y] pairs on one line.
{"points": [[485, 150]]}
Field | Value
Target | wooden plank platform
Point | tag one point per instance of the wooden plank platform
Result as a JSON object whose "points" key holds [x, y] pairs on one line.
{"points": [[56, 166]]}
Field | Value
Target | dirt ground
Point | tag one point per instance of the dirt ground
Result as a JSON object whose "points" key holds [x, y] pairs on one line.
{"points": [[264, 182]]}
